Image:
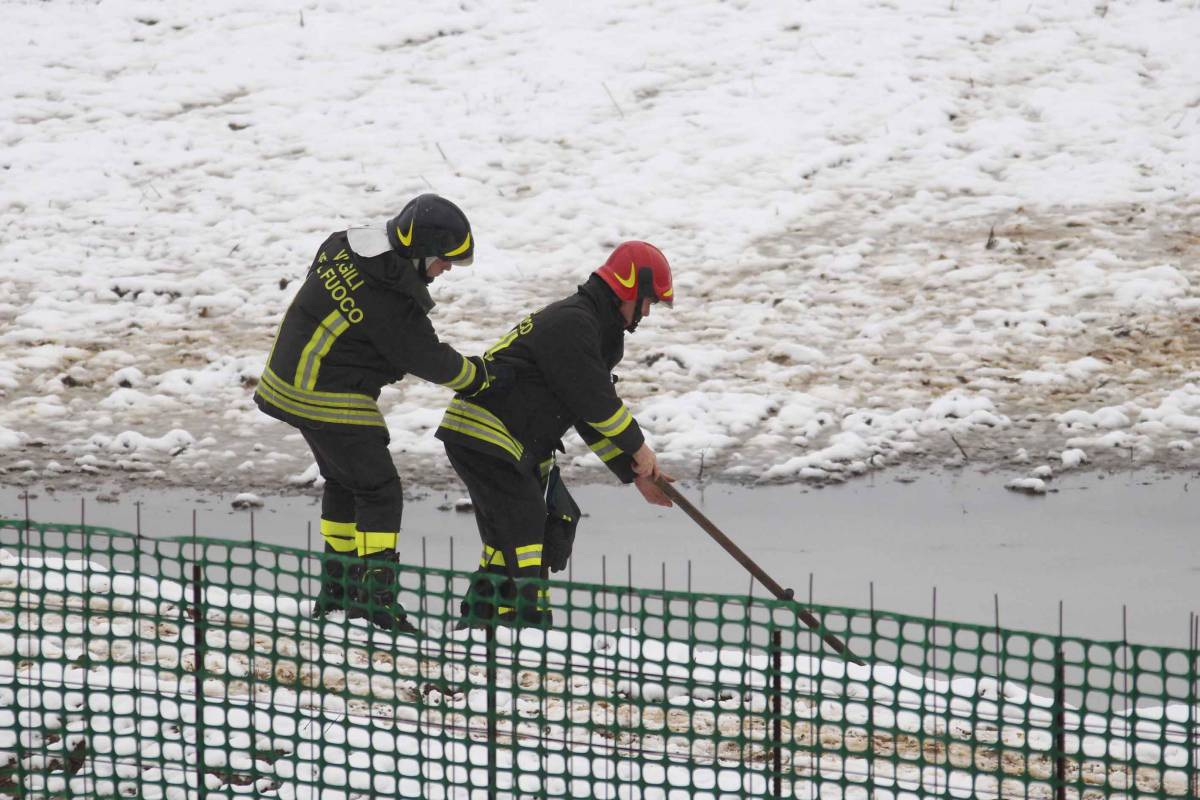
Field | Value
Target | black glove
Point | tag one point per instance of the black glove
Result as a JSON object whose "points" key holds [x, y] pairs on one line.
{"points": [[500, 376], [562, 518]]}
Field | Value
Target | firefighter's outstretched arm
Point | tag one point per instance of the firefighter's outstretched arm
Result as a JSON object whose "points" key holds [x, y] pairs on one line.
{"points": [[407, 340]]}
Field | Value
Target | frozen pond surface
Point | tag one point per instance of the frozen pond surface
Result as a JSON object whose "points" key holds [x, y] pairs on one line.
{"points": [[1097, 542]]}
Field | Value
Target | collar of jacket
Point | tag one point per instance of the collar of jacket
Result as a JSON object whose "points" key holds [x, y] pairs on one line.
{"points": [[607, 306], [399, 274]]}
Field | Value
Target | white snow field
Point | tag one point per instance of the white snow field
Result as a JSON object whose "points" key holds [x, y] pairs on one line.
{"points": [[900, 230], [98, 698]]}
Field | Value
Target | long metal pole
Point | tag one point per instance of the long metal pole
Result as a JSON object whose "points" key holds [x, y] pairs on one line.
{"points": [[766, 580]]}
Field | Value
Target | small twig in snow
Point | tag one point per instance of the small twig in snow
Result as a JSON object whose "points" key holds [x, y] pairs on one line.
{"points": [[613, 99], [960, 448]]}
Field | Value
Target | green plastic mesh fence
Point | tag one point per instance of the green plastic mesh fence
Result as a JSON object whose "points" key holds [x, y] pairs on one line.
{"points": [[191, 668]]}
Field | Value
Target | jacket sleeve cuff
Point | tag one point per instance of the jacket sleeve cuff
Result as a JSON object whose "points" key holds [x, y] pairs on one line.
{"points": [[622, 467], [612, 451], [478, 378]]}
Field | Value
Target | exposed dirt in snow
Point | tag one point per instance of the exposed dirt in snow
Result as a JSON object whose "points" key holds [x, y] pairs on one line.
{"points": [[919, 348], [961, 231]]}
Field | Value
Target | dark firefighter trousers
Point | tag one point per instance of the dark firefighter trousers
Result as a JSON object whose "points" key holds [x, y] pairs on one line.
{"points": [[363, 502], [510, 510]]}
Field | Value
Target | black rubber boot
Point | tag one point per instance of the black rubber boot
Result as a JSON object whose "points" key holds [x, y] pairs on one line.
{"points": [[527, 612], [519, 601], [373, 594], [333, 582], [478, 608]]}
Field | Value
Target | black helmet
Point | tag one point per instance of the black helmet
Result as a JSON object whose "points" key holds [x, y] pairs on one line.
{"points": [[432, 227]]}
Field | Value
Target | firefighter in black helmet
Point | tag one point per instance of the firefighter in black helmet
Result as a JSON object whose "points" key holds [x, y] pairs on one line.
{"points": [[360, 321]]}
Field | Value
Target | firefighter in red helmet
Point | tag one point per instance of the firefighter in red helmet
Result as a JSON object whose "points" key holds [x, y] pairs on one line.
{"points": [[638, 274], [502, 442]]}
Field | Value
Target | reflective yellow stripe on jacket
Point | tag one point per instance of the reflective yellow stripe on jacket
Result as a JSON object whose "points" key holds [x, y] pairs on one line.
{"points": [[605, 449], [479, 423], [614, 425], [343, 408], [333, 326], [465, 376]]}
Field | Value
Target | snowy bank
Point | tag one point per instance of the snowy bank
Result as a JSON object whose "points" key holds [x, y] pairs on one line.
{"points": [[873, 209]]}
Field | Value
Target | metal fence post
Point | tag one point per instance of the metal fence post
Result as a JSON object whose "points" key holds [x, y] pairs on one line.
{"points": [[137, 634], [198, 635], [931, 666], [635, 640], [1060, 712], [422, 711], [817, 669], [1001, 674], [85, 545], [691, 609], [1060, 725], [745, 739], [777, 707], [252, 645], [611, 764], [490, 636], [871, 696], [23, 737], [1192, 739]]}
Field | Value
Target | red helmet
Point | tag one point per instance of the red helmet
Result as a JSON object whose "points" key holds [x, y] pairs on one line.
{"points": [[638, 270]]}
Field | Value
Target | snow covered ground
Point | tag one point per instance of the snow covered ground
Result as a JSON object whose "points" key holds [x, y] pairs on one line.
{"points": [[100, 667], [900, 231]]}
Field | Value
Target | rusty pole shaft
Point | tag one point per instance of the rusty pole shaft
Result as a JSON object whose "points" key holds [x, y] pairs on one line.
{"points": [[766, 580]]}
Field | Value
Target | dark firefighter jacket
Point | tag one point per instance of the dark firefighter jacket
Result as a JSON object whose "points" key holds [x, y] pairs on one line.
{"points": [[358, 322], [562, 357]]}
